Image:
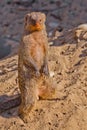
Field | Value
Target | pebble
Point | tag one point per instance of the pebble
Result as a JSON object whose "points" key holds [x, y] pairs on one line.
{"points": [[52, 73], [1, 72], [83, 27], [51, 43]]}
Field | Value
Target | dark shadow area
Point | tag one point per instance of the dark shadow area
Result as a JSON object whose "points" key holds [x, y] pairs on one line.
{"points": [[84, 53], [7, 103], [5, 50]]}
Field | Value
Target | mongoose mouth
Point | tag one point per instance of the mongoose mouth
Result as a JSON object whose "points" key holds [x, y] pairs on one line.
{"points": [[36, 27]]}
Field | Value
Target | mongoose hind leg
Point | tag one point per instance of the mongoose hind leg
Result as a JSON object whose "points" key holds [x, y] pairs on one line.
{"points": [[47, 89], [28, 97], [45, 68]]}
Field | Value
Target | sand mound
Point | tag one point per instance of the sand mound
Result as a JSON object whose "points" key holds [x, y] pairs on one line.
{"points": [[69, 111]]}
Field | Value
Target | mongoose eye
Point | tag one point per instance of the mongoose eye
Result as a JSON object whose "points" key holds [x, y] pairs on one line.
{"points": [[40, 20]]}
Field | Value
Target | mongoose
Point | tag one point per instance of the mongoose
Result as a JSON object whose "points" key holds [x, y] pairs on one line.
{"points": [[33, 71]]}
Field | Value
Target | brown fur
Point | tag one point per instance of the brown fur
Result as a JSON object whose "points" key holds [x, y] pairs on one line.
{"points": [[33, 72]]}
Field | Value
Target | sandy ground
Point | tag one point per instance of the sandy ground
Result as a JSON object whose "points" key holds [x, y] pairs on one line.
{"points": [[68, 61]]}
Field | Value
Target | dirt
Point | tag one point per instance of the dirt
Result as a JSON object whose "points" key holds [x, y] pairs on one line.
{"points": [[67, 61]]}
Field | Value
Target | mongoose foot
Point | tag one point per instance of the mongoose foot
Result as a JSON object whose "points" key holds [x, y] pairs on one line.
{"points": [[24, 117]]}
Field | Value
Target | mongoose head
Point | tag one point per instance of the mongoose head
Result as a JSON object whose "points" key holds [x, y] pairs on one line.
{"points": [[34, 21]]}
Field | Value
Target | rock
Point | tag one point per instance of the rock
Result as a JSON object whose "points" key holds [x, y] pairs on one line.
{"points": [[53, 24], [52, 73], [82, 27], [51, 43]]}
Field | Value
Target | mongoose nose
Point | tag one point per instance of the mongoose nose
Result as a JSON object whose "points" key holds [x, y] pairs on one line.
{"points": [[34, 22]]}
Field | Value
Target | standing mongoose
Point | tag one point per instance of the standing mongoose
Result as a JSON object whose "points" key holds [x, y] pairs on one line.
{"points": [[33, 72]]}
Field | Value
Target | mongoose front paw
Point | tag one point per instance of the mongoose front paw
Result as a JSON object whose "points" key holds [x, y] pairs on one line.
{"points": [[46, 71], [37, 74]]}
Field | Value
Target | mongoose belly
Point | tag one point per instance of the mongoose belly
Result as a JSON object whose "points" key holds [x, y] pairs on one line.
{"points": [[37, 53]]}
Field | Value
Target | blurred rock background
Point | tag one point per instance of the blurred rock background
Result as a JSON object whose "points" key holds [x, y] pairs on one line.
{"points": [[61, 15]]}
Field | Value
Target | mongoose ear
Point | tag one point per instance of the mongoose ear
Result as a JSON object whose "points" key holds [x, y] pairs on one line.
{"points": [[26, 19]]}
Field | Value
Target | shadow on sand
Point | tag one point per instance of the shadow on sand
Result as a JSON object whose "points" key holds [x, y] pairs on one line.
{"points": [[7, 103]]}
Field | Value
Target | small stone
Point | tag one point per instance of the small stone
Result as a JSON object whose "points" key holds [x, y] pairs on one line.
{"points": [[50, 34], [51, 43], [52, 74], [1, 72]]}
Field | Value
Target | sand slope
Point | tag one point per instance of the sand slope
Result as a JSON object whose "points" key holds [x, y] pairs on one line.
{"points": [[69, 110]]}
